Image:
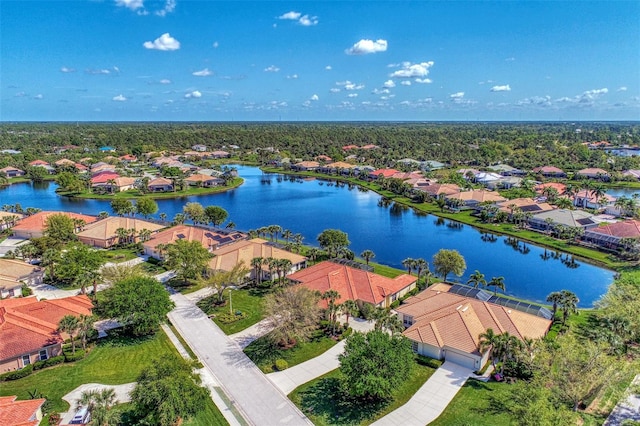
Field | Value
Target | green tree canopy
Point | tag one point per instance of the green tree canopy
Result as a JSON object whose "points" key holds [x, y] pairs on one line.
{"points": [[140, 303], [449, 261], [215, 215], [293, 313], [146, 206], [60, 227], [376, 363], [333, 240], [188, 258], [79, 264], [121, 206], [195, 212], [167, 393]]}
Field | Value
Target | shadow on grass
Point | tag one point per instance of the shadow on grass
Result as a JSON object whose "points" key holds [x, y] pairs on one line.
{"points": [[262, 351], [329, 399], [120, 338]]}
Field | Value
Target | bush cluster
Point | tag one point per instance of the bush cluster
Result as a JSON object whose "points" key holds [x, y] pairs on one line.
{"points": [[281, 364]]}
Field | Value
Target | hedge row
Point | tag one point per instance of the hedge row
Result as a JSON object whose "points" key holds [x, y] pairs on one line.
{"points": [[38, 365]]}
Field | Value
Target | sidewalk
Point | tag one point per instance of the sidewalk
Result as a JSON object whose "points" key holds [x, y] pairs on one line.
{"points": [[627, 409], [431, 399], [257, 399], [289, 379], [245, 337]]}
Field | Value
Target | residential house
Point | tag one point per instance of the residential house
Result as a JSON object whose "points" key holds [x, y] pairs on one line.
{"points": [[525, 205], [306, 166], [20, 413], [160, 184], [9, 219], [407, 175], [384, 173], [324, 159], [102, 167], [505, 182], [632, 173], [15, 273], [354, 284], [128, 158], [33, 226], [29, 328], [9, 151], [107, 149], [203, 180], [506, 170], [337, 167], [432, 165], [210, 239], [486, 178], [443, 323], [12, 172], [550, 172], [609, 236], [369, 146], [438, 189], [474, 197], [587, 199], [546, 221], [104, 233], [64, 162], [468, 174], [228, 256], [560, 188], [593, 173], [199, 148], [350, 147], [40, 163], [220, 154]]}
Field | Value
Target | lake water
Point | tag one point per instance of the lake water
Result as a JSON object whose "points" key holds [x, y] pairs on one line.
{"points": [[392, 232]]}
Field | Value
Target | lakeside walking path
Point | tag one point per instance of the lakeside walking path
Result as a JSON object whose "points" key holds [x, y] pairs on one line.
{"points": [[431, 399], [259, 401]]}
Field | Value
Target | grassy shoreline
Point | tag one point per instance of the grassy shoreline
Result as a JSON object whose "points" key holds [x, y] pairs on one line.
{"points": [[589, 255], [191, 192]]}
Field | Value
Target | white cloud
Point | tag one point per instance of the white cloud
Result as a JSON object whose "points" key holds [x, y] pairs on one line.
{"points": [[409, 70], [314, 98], [293, 16], [458, 95], [98, 71], [119, 98], [202, 73], [380, 92], [308, 21], [20, 95], [328, 68], [292, 77], [503, 88], [194, 94], [591, 95], [389, 84], [66, 70], [352, 95], [215, 44], [271, 68], [169, 6], [38, 96], [366, 46], [511, 59], [349, 85], [622, 89], [423, 80], [539, 101], [405, 83], [165, 81], [164, 42], [130, 4], [334, 90]]}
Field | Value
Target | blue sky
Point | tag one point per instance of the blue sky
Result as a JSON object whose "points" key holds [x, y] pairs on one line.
{"points": [[173, 60]]}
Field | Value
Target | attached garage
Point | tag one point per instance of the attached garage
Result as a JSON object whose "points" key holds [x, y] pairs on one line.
{"points": [[464, 359]]}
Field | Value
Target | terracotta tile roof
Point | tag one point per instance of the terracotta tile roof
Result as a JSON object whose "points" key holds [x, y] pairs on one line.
{"points": [[244, 251], [19, 413], [547, 169], [340, 165], [560, 187], [64, 161], [479, 195], [348, 147], [198, 177], [220, 153], [441, 188], [351, 283], [308, 164], [16, 269], [370, 146], [633, 173], [527, 205], [106, 228], [10, 169], [208, 238], [124, 181], [160, 181], [592, 172], [574, 218], [407, 175], [626, 229], [386, 173], [39, 163], [4, 214], [443, 319], [37, 221], [104, 177], [27, 325]]}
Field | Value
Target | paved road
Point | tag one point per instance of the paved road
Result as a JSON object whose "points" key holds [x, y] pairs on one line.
{"points": [[629, 409], [431, 399], [260, 402], [10, 244]]}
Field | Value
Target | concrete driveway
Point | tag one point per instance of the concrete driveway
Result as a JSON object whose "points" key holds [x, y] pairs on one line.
{"points": [[431, 399], [10, 244], [122, 395]]}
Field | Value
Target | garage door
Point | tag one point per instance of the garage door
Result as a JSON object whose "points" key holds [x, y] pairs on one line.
{"points": [[461, 359]]}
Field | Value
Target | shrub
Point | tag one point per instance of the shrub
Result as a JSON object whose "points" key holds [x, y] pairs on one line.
{"points": [[428, 362], [395, 304], [48, 362], [54, 419], [26, 291], [228, 318], [281, 364], [71, 357], [346, 333], [18, 374]]}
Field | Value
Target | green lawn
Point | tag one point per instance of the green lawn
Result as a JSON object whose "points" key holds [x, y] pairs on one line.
{"points": [[325, 402], [247, 301], [472, 406], [119, 255], [264, 353], [114, 361]]}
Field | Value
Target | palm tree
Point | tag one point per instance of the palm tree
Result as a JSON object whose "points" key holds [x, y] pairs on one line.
{"points": [[487, 342], [122, 235], [287, 234], [496, 283], [367, 255], [256, 264], [179, 218], [144, 235], [85, 325], [163, 216], [99, 404], [568, 304], [555, 298], [313, 253], [69, 324], [350, 307], [284, 266], [274, 230], [408, 263], [421, 265], [477, 279], [332, 309]]}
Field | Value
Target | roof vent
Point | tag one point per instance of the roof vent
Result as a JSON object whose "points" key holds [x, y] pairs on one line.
{"points": [[509, 311], [458, 308], [465, 308]]}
